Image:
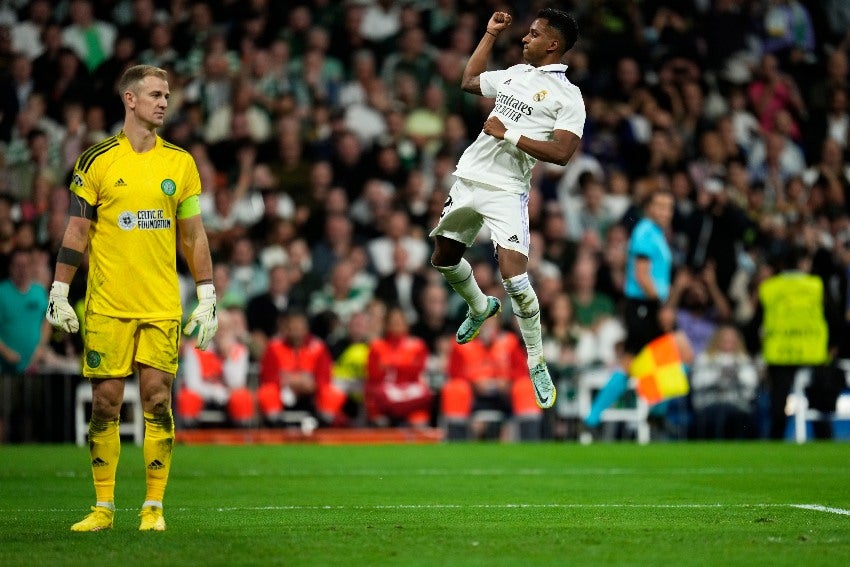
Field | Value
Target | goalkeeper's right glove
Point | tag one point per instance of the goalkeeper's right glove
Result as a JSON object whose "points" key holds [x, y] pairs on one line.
{"points": [[60, 314], [203, 317]]}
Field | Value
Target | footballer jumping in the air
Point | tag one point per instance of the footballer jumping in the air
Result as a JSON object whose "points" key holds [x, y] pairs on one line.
{"points": [[538, 115]]}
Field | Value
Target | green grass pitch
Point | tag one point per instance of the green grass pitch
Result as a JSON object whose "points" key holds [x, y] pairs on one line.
{"points": [[442, 505]]}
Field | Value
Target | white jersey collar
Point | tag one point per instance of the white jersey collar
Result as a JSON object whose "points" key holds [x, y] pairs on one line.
{"points": [[552, 68]]}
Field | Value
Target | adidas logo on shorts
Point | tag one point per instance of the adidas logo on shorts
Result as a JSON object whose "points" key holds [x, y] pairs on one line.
{"points": [[514, 239]]}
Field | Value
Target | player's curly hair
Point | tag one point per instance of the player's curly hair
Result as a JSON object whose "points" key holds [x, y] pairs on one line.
{"points": [[564, 23]]}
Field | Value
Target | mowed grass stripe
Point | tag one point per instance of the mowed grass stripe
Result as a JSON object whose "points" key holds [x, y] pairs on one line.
{"points": [[592, 472], [495, 472]]}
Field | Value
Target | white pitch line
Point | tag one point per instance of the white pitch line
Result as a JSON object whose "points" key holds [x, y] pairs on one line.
{"points": [[425, 507], [819, 508], [475, 472], [184, 509], [815, 507]]}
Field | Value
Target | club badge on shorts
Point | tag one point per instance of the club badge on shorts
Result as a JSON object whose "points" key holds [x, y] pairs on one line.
{"points": [[93, 359]]}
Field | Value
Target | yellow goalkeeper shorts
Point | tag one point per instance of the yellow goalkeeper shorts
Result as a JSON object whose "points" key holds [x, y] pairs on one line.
{"points": [[114, 346]]}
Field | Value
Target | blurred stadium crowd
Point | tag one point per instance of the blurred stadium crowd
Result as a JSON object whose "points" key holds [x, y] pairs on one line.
{"points": [[326, 134]]}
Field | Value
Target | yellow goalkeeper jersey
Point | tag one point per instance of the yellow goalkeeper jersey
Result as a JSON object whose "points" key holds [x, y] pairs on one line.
{"points": [[133, 236]]}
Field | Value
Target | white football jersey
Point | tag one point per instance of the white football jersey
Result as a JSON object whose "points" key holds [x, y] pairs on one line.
{"points": [[534, 101]]}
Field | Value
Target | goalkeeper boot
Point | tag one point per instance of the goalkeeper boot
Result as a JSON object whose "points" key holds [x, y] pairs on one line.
{"points": [[471, 326], [99, 519], [544, 389], [152, 519]]}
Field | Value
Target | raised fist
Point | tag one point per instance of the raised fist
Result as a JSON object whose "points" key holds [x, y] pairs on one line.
{"points": [[498, 22]]}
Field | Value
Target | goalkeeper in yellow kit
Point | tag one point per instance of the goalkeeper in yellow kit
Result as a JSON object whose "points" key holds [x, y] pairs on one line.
{"points": [[132, 195]]}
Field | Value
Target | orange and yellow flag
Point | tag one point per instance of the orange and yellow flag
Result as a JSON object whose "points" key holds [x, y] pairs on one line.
{"points": [[659, 371]]}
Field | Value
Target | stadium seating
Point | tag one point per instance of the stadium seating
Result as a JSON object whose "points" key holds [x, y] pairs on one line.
{"points": [[634, 417], [798, 405]]}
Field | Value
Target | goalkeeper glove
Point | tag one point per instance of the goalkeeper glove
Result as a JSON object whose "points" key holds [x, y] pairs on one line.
{"points": [[60, 314], [203, 317]]}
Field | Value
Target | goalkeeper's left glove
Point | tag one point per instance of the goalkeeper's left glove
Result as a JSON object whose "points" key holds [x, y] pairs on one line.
{"points": [[203, 317]]}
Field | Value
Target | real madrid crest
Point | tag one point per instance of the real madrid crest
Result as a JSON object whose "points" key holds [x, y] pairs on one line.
{"points": [[540, 95]]}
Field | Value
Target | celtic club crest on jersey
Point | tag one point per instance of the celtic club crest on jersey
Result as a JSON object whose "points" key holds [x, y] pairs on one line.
{"points": [[168, 187]]}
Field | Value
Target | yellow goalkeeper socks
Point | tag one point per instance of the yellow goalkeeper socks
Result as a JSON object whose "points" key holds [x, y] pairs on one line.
{"points": [[159, 444], [105, 448]]}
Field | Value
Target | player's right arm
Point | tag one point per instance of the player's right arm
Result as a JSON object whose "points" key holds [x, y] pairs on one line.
{"points": [[477, 63], [75, 239], [60, 314]]}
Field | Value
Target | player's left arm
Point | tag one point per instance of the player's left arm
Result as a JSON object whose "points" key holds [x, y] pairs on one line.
{"points": [[558, 150], [196, 247]]}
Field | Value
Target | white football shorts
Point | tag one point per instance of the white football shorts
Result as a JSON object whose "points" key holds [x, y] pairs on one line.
{"points": [[472, 205]]}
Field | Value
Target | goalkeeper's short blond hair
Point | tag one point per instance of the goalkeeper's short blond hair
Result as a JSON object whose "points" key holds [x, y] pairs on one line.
{"points": [[134, 75]]}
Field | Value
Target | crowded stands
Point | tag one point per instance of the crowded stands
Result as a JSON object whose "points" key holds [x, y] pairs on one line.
{"points": [[326, 134]]}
